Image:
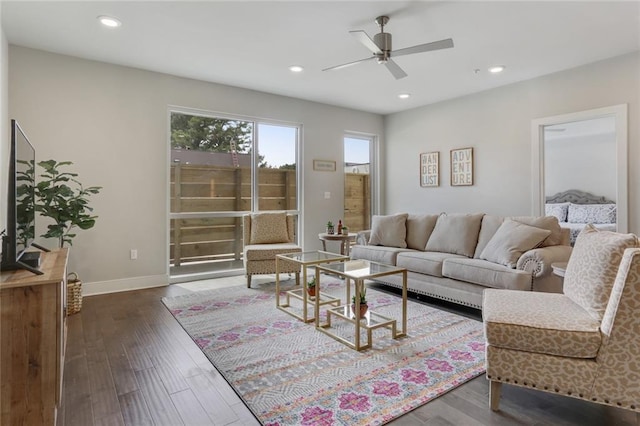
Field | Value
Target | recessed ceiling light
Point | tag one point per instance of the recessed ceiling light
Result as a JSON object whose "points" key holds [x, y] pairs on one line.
{"points": [[296, 68], [404, 96], [496, 69], [109, 21]]}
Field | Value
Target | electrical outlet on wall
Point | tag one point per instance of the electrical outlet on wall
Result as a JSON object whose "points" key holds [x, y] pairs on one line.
{"points": [[133, 254]]}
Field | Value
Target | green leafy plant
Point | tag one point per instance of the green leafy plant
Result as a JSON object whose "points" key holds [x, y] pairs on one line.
{"points": [[329, 224], [61, 197], [311, 283], [363, 298]]}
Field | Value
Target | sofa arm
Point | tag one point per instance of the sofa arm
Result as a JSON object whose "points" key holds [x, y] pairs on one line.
{"points": [[363, 237], [538, 261]]}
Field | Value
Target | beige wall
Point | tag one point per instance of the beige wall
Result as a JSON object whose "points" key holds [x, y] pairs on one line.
{"points": [[112, 122], [4, 123], [497, 124]]}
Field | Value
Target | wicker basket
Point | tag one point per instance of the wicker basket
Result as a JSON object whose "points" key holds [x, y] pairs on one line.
{"points": [[74, 293]]}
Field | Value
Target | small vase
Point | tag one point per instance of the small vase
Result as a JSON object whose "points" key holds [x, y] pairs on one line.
{"points": [[363, 309], [330, 230], [311, 291]]}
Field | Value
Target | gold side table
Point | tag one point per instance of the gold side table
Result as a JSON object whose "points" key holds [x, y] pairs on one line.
{"points": [[358, 271], [306, 259], [344, 239]]}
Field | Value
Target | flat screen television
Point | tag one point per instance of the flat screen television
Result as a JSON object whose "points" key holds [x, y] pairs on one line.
{"points": [[21, 202]]}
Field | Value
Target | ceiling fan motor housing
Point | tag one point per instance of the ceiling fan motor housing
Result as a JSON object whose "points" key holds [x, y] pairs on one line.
{"points": [[383, 41]]}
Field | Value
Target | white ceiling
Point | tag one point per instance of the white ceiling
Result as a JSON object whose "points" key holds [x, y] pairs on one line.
{"points": [[251, 44]]}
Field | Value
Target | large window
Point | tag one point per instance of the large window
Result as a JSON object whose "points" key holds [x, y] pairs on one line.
{"points": [[221, 169]]}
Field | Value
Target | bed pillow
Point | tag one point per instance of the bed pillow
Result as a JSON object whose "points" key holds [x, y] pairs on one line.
{"points": [[511, 240], [591, 213], [389, 231], [559, 210], [269, 228]]}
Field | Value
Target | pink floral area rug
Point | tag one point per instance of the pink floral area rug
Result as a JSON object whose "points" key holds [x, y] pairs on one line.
{"points": [[288, 373]]}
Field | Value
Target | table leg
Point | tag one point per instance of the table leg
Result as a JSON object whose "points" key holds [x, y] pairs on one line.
{"points": [[277, 281], [305, 293], [356, 311], [317, 304], [324, 245]]}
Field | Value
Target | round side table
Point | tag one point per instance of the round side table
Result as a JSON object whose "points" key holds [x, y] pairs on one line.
{"points": [[344, 239], [559, 268]]}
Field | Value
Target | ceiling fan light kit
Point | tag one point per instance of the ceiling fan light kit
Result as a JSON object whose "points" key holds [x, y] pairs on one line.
{"points": [[382, 50]]}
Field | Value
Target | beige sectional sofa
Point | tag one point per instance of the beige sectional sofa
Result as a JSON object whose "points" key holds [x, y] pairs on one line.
{"points": [[455, 257]]}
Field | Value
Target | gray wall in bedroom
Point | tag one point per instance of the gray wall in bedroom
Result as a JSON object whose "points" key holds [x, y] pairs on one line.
{"points": [[497, 124], [112, 122]]}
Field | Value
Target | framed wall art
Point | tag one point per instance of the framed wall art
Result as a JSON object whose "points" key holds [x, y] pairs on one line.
{"points": [[462, 167], [430, 169], [324, 165]]}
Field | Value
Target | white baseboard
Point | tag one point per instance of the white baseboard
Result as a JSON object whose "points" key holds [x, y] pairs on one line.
{"points": [[125, 284]]}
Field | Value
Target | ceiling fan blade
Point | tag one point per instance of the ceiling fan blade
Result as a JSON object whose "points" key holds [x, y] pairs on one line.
{"points": [[427, 47], [363, 38], [395, 69], [348, 64]]}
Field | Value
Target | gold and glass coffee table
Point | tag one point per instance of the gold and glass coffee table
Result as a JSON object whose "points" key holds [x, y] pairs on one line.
{"points": [[306, 259], [358, 271]]}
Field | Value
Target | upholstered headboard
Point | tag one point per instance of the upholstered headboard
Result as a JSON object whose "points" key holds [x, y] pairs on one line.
{"points": [[576, 196]]}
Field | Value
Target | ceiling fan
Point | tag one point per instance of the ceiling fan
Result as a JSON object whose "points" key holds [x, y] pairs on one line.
{"points": [[380, 46]]}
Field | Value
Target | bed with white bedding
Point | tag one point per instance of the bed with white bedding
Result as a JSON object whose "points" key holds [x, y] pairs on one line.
{"points": [[575, 209]]}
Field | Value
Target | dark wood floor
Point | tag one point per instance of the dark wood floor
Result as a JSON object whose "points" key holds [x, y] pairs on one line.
{"points": [[129, 363]]}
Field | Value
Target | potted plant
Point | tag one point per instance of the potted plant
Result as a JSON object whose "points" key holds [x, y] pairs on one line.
{"points": [[311, 287], [61, 197], [330, 228], [363, 304], [345, 230]]}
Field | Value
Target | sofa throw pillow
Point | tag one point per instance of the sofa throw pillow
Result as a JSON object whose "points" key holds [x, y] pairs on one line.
{"points": [[511, 240], [593, 267], [419, 228], [455, 233], [269, 228], [592, 213], [389, 230], [544, 222], [559, 210]]}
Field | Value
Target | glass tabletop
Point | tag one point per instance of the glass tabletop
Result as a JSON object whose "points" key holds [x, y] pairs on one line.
{"points": [[313, 256], [361, 268]]}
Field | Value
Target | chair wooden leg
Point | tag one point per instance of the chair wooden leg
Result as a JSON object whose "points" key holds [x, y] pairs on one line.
{"points": [[494, 394], [248, 280], [297, 278]]}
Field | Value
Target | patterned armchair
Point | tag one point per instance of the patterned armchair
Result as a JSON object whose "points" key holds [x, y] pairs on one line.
{"points": [[583, 343], [266, 235]]}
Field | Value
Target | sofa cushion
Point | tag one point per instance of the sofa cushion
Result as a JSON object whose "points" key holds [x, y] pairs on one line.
{"points": [[269, 228], [455, 233], [592, 267], [380, 254], [547, 323], [511, 240], [268, 252], [419, 229], [424, 262], [389, 231], [486, 274], [490, 225], [559, 210], [544, 222], [592, 213]]}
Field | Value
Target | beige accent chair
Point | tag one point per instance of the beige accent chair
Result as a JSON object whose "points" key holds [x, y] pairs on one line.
{"points": [[266, 235], [584, 343]]}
